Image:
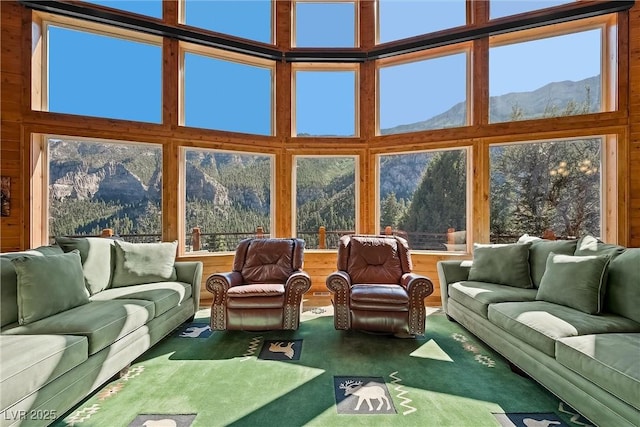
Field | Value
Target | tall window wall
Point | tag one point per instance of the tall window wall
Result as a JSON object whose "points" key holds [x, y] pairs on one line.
{"points": [[262, 122]]}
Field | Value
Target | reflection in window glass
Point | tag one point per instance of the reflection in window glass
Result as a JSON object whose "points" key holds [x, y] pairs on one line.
{"points": [[226, 95], [399, 19], [250, 19], [423, 198], [97, 185], [325, 103], [151, 8], [325, 197], [322, 24], [549, 189], [228, 198], [428, 94], [557, 76], [499, 8], [96, 75]]}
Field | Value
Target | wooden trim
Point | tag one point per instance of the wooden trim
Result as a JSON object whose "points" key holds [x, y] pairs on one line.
{"points": [[97, 28], [554, 30], [38, 207]]}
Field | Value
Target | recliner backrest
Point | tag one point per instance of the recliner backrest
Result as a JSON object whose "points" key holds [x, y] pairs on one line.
{"points": [[374, 259], [268, 260]]}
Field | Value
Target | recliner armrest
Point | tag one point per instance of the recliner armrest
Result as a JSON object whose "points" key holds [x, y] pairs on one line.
{"points": [[339, 283], [218, 284], [297, 284]]}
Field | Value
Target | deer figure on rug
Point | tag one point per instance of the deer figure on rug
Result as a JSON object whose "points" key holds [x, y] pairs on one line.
{"points": [[194, 331], [365, 393], [279, 347]]}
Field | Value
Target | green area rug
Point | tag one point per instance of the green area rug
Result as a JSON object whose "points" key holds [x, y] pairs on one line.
{"points": [[319, 376]]}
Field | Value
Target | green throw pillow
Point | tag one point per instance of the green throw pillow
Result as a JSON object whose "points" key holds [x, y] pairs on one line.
{"points": [[138, 263], [623, 285], [589, 245], [48, 285], [502, 264], [575, 281], [97, 258], [539, 252]]}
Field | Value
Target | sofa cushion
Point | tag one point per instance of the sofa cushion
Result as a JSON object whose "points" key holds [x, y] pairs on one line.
{"points": [[539, 252], [98, 259], [477, 296], [9, 281], [502, 264], [623, 285], [102, 322], [31, 361], [617, 371], [164, 295], [575, 281], [541, 323], [138, 263], [48, 285], [589, 245]]}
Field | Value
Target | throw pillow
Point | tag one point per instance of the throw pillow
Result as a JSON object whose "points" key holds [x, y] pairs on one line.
{"points": [[539, 252], [506, 264], [623, 284], [48, 285], [575, 281], [589, 245], [138, 263], [97, 258]]}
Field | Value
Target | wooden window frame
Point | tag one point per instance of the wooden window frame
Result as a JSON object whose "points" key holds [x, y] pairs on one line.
{"points": [[233, 57], [462, 48], [320, 67], [468, 150], [324, 154]]}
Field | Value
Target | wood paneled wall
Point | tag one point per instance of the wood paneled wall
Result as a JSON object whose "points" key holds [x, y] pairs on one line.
{"points": [[634, 125], [18, 122]]}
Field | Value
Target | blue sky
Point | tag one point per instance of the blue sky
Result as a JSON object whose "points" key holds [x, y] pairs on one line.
{"points": [[409, 94]]}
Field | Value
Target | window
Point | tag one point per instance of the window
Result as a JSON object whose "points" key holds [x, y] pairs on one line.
{"points": [[96, 185], [228, 198], [500, 8], [100, 75], [229, 95], [421, 95], [325, 188], [151, 8], [423, 198], [313, 19], [399, 19], [250, 19], [550, 188], [557, 76], [325, 102]]}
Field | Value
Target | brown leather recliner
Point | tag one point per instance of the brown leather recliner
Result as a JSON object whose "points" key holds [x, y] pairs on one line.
{"points": [[264, 290], [374, 288]]}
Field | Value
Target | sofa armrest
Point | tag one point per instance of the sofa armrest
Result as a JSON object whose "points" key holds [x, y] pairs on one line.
{"points": [[191, 272], [451, 271]]}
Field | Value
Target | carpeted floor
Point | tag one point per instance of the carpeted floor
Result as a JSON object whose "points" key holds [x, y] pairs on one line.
{"points": [[318, 376]]}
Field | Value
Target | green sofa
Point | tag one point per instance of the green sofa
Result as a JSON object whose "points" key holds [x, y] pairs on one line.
{"points": [[574, 327], [77, 313]]}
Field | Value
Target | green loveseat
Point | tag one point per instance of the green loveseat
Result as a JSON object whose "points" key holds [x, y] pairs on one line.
{"points": [[77, 313], [574, 326]]}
